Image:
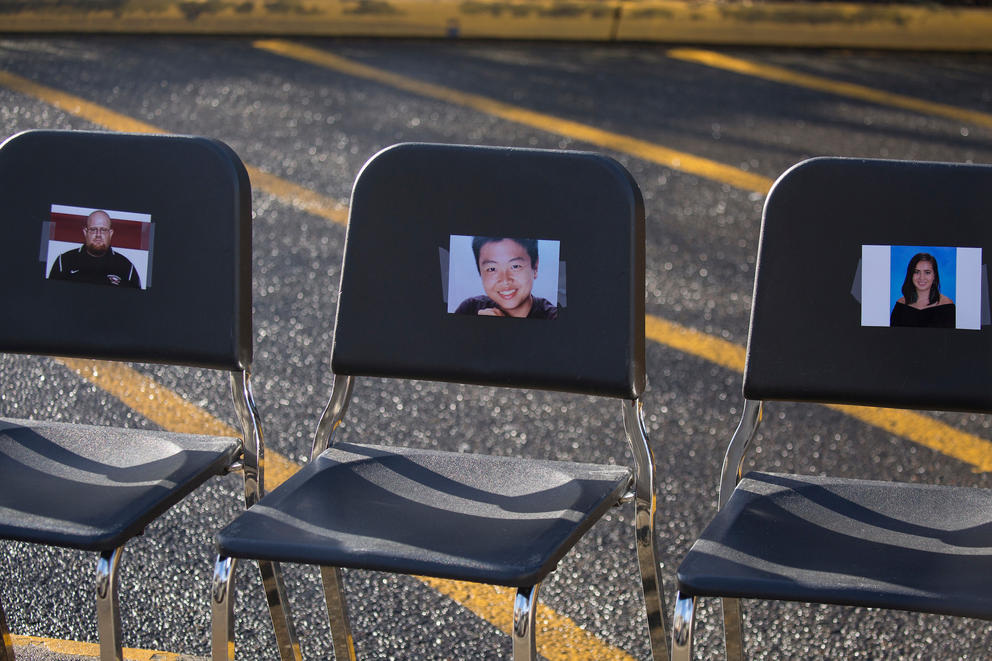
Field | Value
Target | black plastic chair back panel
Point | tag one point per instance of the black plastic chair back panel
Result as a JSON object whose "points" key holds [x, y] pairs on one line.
{"points": [[179, 217], [807, 341], [393, 319]]}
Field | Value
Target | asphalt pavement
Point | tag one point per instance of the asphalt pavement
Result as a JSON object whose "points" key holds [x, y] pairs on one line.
{"points": [[314, 126]]}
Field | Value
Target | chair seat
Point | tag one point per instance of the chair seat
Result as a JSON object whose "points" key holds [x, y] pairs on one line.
{"points": [[498, 520], [856, 542], [93, 488]]}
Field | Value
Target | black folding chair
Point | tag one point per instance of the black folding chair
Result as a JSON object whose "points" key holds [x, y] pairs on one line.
{"points": [[121, 247], [428, 221], [839, 260]]}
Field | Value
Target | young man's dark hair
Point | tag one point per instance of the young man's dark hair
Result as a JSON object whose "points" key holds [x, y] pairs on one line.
{"points": [[530, 245]]}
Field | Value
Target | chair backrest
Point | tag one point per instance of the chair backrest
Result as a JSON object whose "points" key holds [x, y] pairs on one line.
{"points": [[176, 287], [830, 321], [412, 287]]}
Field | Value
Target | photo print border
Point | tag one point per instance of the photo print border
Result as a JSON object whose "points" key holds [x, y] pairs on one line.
{"points": [[464, 279], [883, 270], [133, 237]]}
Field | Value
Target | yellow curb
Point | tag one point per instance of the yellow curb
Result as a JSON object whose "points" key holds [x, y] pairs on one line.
{"points": [[813, 25], [793, 24], [509, 19]]}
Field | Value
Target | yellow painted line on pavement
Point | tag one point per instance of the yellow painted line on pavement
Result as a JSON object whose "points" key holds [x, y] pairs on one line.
{"points": [[148, 397], [167, 409], [699, 344], [75, 648], [288, 192], [643, 149], [916, 427], [299, 197], [819, 83], [926, 431], [74, 105], [557, 636]]}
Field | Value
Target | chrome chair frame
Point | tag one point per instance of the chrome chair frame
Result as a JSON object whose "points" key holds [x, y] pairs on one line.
{"points": [[685, 606], [643, 492], [254, 468], [294, 524], [272, 581]]}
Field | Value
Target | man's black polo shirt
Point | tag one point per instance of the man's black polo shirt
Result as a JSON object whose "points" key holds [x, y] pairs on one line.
{"points": [[110, 269]]}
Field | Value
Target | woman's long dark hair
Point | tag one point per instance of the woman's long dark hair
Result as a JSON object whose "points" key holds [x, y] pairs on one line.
{"points": [[909, 290]]}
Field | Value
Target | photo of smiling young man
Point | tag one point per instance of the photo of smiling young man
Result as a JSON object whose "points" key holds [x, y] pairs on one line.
{"points": [[508, 268]]}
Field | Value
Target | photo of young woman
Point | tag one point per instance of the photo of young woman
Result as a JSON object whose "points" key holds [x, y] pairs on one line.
{"points": [[921, 303]]}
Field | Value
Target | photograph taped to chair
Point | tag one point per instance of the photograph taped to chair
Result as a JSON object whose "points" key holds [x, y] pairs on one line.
{"points": [[504, 277], [98, 246], [923, 286]]}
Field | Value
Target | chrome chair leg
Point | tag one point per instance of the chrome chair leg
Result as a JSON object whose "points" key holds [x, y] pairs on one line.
{"points": [[651, 581], [254, 450], [524, 620], [685, 615], [222, 610], [282, 619], [645, 506], [733, 630], [337, 614], [108, 616], [6, 640]]}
